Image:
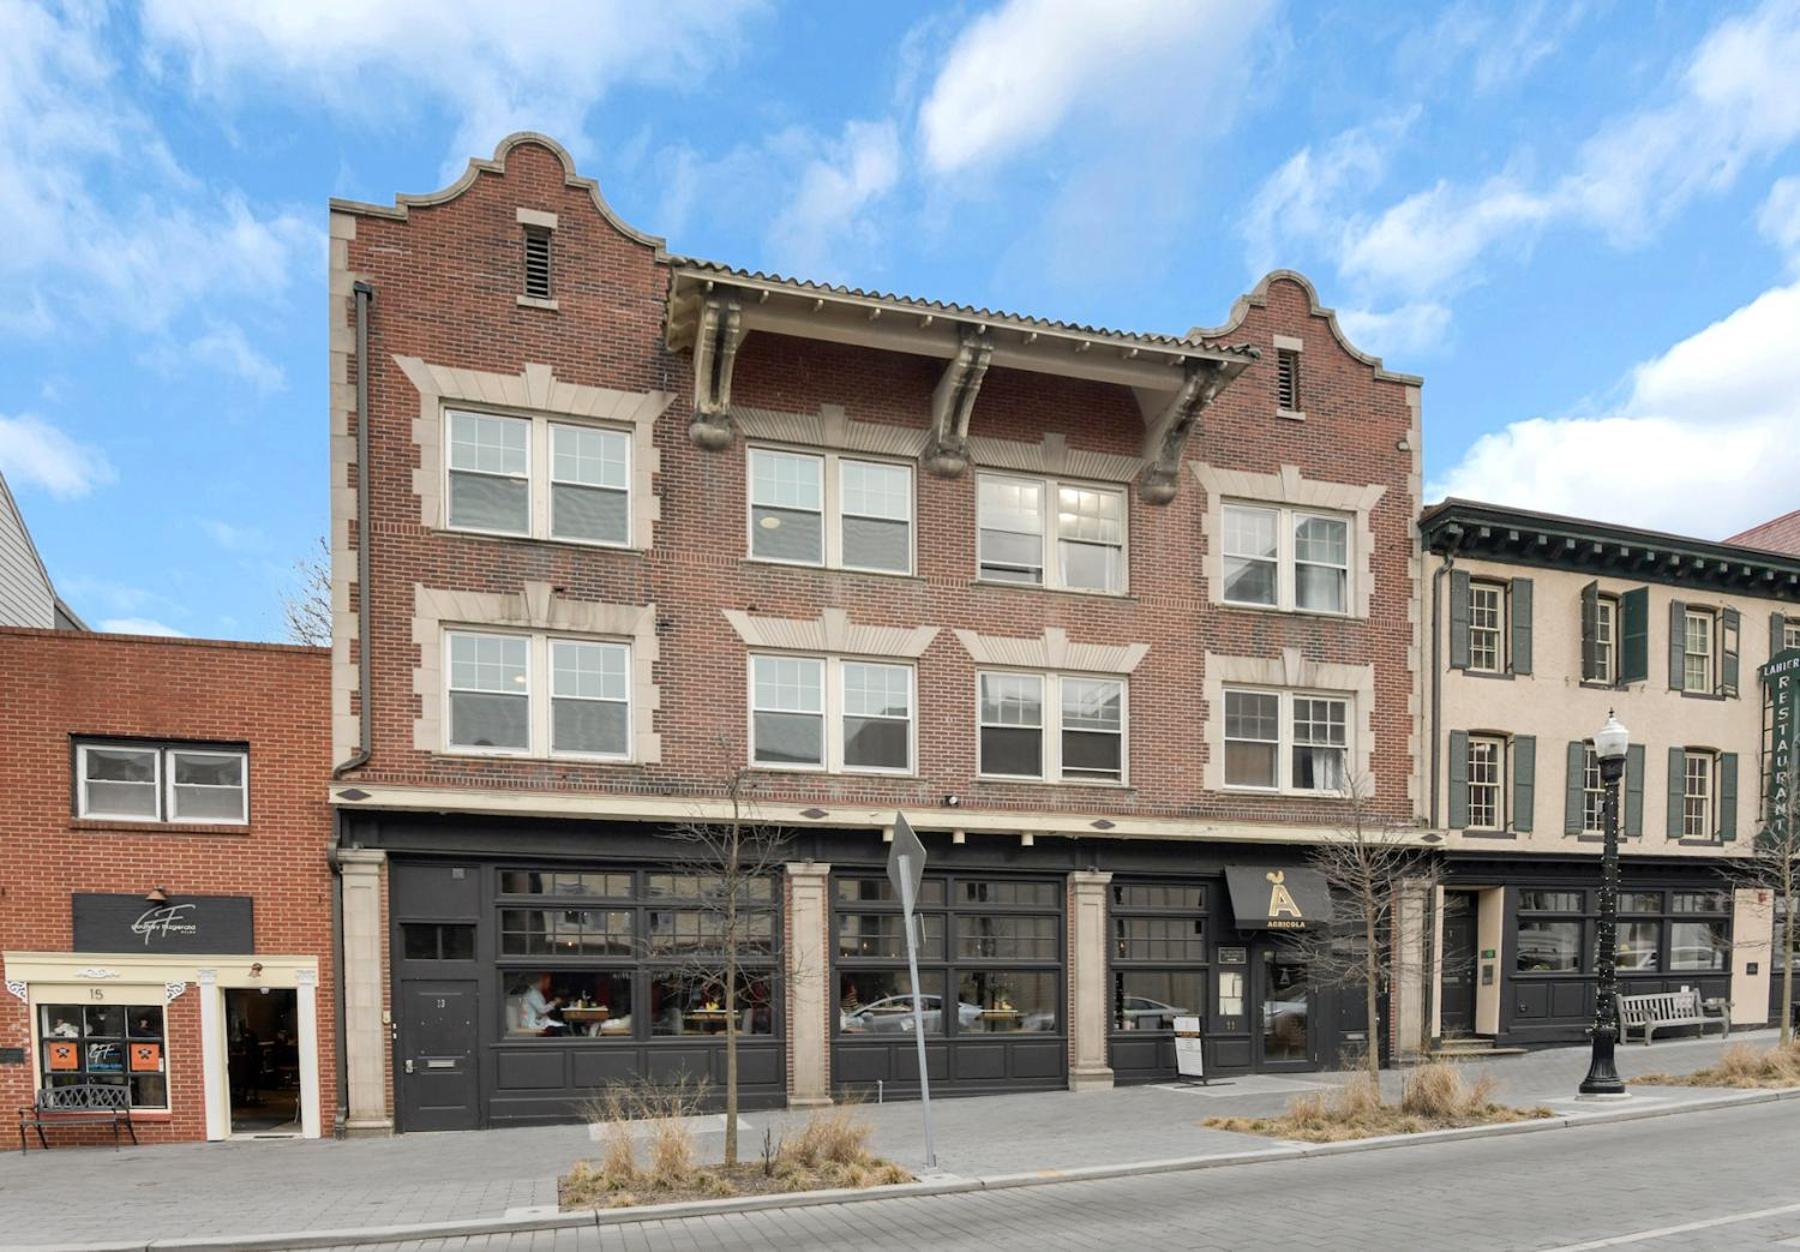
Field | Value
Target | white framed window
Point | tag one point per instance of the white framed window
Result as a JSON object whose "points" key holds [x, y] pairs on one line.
{"points": [[1790, 634], [142, 782], [1593, 793], [1079, 545], [831, 713], [1606, 640], [1487, 627], [1697, 796], [518, 694], [1051, 727], [1487, 778], [1697, 650], [1286, 741], [1282, 558], [841, 512], [538, 478]]}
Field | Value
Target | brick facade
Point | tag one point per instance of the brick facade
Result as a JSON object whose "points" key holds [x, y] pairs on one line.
{"points": [[60, 686]]}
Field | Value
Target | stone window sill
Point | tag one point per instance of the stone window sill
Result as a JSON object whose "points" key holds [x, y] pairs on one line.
{"points": [[107, 827]]}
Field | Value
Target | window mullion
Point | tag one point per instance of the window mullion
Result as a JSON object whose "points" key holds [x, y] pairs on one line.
{"points": [[832, 690], [537, 693], [1052, 720], [831, 514], [1049, 553], [537, 487]]}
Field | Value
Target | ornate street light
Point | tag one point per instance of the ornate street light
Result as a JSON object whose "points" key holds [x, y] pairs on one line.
{"points": [[1603, 1082]]}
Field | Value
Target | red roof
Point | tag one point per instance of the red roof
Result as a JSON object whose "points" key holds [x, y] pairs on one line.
{"points": [[1782, 534]]}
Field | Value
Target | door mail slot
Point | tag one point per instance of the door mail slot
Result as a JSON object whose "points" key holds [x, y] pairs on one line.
{"points": [[436, 1064]]}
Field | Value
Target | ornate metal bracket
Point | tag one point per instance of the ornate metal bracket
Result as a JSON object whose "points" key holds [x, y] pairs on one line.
{"points": [[716, 342], [1166, 435], [173, 989], [947, 448], [18, 987]]}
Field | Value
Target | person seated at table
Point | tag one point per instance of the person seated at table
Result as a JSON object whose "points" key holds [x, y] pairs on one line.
{"points": [[537, 1009]]}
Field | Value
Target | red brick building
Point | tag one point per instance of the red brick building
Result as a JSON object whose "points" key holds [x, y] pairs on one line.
{"points": [[167, 917], [1106, 614]]}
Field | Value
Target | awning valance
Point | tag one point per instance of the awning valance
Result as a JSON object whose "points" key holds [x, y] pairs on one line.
{"points": [[1270, 898]]}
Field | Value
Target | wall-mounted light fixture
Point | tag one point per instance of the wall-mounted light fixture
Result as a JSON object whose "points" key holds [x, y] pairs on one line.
{"points": [[156, 895]]}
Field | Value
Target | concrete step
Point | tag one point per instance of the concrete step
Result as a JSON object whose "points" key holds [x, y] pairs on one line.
{"points": [[1465, 1046]]}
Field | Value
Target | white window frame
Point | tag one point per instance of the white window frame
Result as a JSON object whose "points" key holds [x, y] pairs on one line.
{"points": [[1049, 532], [1708, 796], [540, 485], [1284, 741], [832, 711], [1478, 587], [1606, 639], [831, 508], [1708, 655], [1790, 635], [539, 686], [162, 786], [1500, 745], [1287, 520], [1593, 791], [1050, 753], [550, 699]]}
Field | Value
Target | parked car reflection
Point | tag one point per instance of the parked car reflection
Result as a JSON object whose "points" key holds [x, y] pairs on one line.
{"points": [[892, 1014]]}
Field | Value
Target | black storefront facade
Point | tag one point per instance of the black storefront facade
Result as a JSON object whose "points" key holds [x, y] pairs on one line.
{"points": [[1520, 934], [533, 962]]}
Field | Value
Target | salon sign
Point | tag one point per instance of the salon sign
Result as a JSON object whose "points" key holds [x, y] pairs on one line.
{"points": [[180, 924]]}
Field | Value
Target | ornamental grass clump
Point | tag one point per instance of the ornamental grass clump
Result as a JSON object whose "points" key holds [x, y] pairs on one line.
{"points": [[1433, 1096], [1740, 1065]]}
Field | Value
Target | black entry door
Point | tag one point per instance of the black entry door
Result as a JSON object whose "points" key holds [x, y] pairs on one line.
{"points": [[1456, 997], [439, 1088], [1284, 1027]]}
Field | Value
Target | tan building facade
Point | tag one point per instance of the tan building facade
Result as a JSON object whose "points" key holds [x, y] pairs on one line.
{"points": [[1541, 626]]}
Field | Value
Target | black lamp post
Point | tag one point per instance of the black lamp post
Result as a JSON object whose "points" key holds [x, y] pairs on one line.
{"points": [[1603, 1081]]}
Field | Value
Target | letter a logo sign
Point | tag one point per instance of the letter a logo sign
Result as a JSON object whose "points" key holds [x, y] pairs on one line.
{"points": [[1281, 901]]}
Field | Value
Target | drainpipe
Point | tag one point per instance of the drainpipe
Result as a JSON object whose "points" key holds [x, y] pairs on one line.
{"points": [[365, 295], [1437, 678]]}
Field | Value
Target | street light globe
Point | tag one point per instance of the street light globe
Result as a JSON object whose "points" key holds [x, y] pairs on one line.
{"points": [[1612, 739]]}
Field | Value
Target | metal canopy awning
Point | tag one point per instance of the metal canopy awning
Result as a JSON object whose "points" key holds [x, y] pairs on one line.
{"points": [[1266, 897]]}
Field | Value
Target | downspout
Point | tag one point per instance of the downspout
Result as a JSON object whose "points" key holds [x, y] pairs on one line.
{"points": [[365, 681], [1428, 936]]}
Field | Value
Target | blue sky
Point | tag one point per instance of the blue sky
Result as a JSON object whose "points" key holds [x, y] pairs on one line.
{"points": [[1579, 221]]}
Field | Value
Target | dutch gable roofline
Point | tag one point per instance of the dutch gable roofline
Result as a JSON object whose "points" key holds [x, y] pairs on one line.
{"points": [[1258, 297], [403, 203]]}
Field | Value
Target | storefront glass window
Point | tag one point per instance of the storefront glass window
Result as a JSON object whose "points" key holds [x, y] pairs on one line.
{"points": [[1701, 902], [1160, 939], [106, 1044], [1136, 895], [881, 891], [879, 1002], [1699, 945], [1549, 946], [681, 1004], [690, 932], [523, 882], [1031, 894], [563, 1004], [1006, 938], [565, 932], [1639, 947], [1537, 901], [1640, 902], [1007, 1001], [884, 935], [1149, 999]]}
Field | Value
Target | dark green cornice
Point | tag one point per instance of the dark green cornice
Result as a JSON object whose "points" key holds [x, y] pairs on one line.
{"points": [[1490, 532]]}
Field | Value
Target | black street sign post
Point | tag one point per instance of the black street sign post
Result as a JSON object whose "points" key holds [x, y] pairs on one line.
{"points": [[906, 870]]}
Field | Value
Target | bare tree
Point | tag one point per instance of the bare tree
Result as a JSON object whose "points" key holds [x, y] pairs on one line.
{"points": [[306, 604], [1772, 864], [1369, 863], [730, 872]]}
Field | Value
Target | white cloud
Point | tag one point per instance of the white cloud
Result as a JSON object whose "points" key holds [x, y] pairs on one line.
{"points": [[235, 538], [1502, 46], [530, 65], [835, 187], [1016, 75], [1779, 218], [140, 626], [1299, 201], [222, 349], [1703, 444], [1408, 328], [35, 452], [1429, 240]]}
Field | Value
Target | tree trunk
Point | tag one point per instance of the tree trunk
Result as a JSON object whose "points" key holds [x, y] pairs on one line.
{"points": [[1372, 990], [1787, 960]]}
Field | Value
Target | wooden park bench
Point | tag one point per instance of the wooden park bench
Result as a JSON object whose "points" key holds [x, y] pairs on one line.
{"points": [[81, 1104], [1649, 1013]]}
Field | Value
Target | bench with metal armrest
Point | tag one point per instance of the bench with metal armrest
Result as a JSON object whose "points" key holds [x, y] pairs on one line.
{"points": [[78, 1104]]}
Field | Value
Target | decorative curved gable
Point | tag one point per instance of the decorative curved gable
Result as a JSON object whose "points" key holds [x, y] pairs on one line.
{"points": [[1258, 297]]}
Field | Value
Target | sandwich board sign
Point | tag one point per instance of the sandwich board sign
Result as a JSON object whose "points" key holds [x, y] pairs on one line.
{"points": [[906, 870]]}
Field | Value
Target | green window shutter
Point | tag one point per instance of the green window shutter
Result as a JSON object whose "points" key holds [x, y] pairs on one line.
{"points": [[1634, 790], [1519, 611], [1634, 636], [1777, 632], [1524, 788], [1459, 619], [1459, 779], [1677, 790], [1590, 632], [1728, 797], [1677, 643], [1731, 624], [1573, 790]]}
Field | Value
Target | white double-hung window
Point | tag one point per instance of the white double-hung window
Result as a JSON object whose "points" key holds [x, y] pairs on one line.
{"points": [[534, 695], [831, 713], [1286, 741], [841, 512], [1283, 558], [538, 479], [1053, 727], [1051, 534]]}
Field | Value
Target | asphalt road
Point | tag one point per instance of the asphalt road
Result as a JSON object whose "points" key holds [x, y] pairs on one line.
{"points": [[1722, 1179]]}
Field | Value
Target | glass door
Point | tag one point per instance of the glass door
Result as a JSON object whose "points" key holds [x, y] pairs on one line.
{"points": [[1284, 1031]]}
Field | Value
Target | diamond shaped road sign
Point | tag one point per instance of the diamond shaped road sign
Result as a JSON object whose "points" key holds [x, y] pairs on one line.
{"points": [[906, 859]]}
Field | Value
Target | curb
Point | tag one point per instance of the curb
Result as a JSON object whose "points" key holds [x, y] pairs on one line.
{"points": [[949, 1185]]}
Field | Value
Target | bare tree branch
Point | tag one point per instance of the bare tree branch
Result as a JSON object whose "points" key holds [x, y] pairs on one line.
{"points": [[306, 605]]}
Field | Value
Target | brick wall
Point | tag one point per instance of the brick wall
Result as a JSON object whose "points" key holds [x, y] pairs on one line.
{"points": [[56, 686], [446, 277]]}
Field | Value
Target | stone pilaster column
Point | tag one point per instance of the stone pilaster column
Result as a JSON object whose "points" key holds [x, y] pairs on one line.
{"points": [[1090, 992], [366, 1037], [808, 960]]}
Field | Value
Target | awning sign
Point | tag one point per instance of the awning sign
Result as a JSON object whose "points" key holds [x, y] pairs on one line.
{"points": [[1284, 898]]}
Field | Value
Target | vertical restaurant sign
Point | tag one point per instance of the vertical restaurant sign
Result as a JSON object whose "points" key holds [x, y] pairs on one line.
{"points": [[130, 923], [1781, 683]]}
